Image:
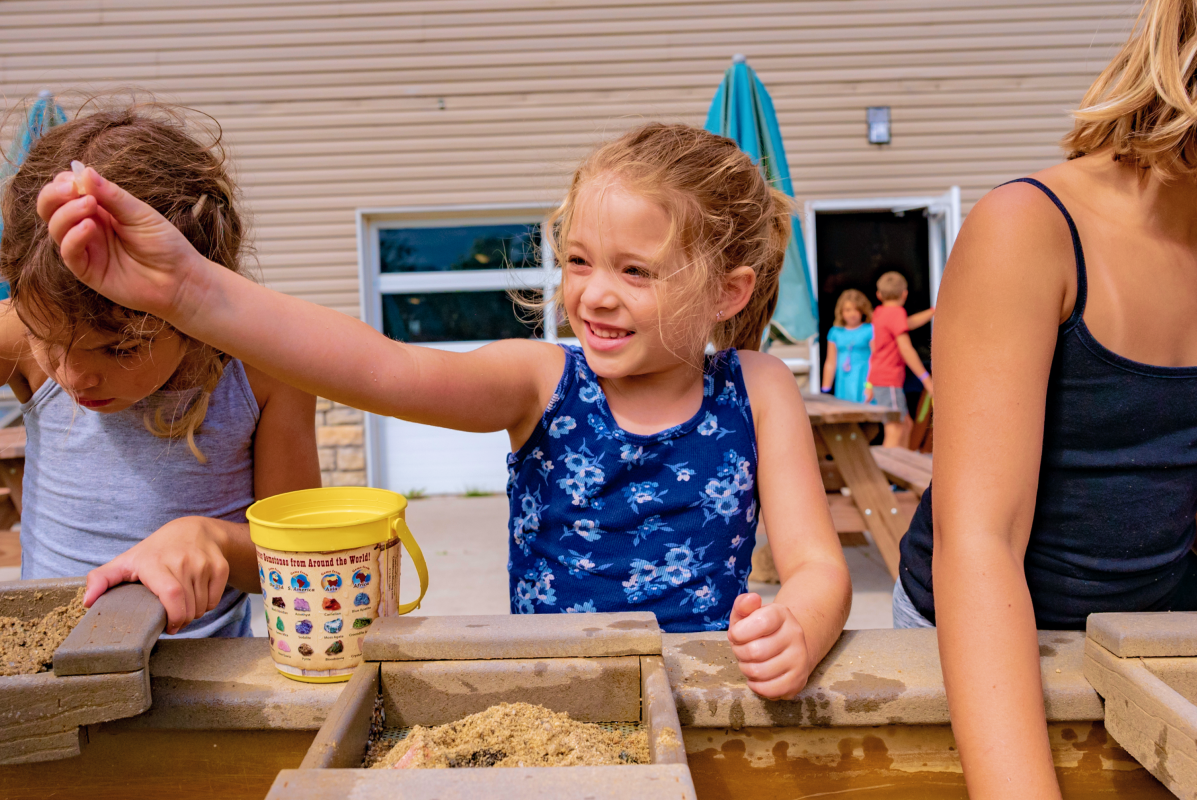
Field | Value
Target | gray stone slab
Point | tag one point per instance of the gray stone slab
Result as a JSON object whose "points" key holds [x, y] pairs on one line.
{"points": [[116, 635], [436, 692], [229, 684], [39, 713], [1145, 634], [638, 782], [341, 742], [870, 677], [1150, 719], [659, 714], [411, 638]]}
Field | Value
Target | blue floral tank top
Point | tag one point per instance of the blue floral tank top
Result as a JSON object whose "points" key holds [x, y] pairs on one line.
{"points": [[606, 520]]}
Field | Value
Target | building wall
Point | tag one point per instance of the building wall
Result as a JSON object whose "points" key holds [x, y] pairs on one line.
{"points": [[328, 107]]}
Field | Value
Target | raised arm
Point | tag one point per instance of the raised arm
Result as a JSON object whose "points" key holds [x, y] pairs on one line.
{"points": [[1004, 294], [919, 319], [127, 251]]}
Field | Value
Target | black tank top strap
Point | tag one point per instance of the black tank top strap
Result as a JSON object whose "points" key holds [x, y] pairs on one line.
{"points": [[1082, 291]]}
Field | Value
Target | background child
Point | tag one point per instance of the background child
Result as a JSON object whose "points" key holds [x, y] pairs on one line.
{"points": [[637, 464], [849, 347], [892, 353], [145, 446]]}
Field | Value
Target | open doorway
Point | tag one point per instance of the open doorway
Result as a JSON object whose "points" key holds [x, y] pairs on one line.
{"points": [[851, 242]]}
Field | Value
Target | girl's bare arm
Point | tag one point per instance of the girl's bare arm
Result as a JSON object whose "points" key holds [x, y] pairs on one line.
{"points": [[125, 250], [829, 367], [816, 590], [1005, 292]]}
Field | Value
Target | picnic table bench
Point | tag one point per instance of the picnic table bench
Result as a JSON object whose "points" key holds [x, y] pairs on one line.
{"points": [[842, 432], [907, 468]]}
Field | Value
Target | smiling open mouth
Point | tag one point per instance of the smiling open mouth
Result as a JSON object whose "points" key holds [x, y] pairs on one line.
{"points": [[608, 333]]}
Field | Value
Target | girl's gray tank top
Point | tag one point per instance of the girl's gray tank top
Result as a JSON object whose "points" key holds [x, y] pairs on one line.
{"points": [[97, 484]]}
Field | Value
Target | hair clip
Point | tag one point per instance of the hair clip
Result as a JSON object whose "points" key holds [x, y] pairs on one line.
{"points": [[198, 208]]}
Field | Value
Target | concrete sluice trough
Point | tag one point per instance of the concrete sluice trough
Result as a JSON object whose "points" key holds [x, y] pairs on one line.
{"points": [[873, 721], [599, 668]]}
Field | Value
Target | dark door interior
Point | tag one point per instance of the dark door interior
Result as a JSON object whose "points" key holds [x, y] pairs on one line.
{"points": [[853, 249]]}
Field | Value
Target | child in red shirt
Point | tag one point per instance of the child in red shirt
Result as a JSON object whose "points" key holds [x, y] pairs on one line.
{"points": [[892, 353]]}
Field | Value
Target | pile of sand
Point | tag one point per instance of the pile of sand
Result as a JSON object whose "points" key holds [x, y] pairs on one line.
{"points": [[516, 735], [27, 648]]}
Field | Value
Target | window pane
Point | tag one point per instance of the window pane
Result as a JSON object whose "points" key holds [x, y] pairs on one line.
{"points": [[466, 247], [453, 317]]}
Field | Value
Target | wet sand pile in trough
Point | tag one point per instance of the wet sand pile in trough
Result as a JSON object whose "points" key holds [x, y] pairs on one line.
{"points": [[514, 735], [27, 648]]}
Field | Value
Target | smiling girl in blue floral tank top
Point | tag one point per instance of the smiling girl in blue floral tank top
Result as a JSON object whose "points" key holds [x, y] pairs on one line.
{"points": [[641, 467], [606, 519]]}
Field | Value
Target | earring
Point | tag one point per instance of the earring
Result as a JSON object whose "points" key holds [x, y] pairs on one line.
{"points": [[718, 315]]}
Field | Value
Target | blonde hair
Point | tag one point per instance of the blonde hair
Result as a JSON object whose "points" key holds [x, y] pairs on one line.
{"points": [[723, 214], [1143, 106], [147, 149], [855, 298], [891, 285]]}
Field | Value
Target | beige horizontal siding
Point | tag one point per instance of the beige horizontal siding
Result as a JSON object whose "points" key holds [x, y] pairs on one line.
{"points": [[328, 107]]}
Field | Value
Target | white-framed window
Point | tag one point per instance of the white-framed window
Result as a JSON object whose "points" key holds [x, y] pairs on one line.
{"points": [[439, 277]]}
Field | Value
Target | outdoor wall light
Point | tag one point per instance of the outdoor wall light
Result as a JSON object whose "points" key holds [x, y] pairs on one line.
{"points": [[878, 117]]}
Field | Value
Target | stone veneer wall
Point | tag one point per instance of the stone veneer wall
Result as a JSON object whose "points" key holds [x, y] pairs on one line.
{"points": [[340, 441]]}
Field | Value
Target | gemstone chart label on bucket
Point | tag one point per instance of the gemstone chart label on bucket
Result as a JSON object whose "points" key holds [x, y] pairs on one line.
{"points": [[319, 606]]}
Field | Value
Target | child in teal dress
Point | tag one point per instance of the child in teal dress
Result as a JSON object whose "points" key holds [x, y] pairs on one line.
{"points": [[848, 347]]}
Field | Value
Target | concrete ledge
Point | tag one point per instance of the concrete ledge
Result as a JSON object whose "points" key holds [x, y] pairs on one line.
{"points": [[229, 684], [633, 782], [1147, 634], [467, 638], [872, 677]]}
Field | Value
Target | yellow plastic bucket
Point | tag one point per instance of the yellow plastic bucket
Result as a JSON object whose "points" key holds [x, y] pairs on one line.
{"points": [[328, 560]]}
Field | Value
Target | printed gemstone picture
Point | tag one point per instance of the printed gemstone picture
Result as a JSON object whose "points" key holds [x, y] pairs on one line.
{"points": [[303, 627], [283, 646], [334, 625], [300, 582], [361, 577], [276, 579], [331, 604], [362, 622], [361, 599], [278, 602], [305, 649], [301, 604], [331, 581], [278, 623], [261, 574], [334, 648]]}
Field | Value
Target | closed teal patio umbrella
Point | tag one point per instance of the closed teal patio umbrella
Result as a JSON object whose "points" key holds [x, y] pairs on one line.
{"points": [[43, 115], [743, 111]]}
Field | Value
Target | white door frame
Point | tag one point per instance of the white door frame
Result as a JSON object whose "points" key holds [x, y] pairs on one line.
{"points": [[372, 284], [943, 223]]}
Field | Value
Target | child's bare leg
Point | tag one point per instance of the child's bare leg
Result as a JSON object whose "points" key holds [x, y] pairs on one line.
{"points": [[896, 433]]}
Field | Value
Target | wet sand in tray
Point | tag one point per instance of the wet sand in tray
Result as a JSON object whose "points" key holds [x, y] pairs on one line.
{"points": [[27, 648], [514, 735]]}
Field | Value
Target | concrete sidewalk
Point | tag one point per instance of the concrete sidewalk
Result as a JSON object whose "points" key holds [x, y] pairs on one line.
{"points": [[464, 540]]}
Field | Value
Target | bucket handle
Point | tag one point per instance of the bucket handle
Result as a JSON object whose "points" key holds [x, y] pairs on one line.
{"points": [[399, 526]]}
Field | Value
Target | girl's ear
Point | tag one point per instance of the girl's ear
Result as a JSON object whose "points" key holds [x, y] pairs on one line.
{"points": [[737, 291]]}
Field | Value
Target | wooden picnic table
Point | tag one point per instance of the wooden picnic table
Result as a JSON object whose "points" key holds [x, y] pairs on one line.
{"points": [[842, 432]]}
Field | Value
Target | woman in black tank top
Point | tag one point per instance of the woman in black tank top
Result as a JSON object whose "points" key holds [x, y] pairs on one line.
{"points": [[1065, 477]]}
